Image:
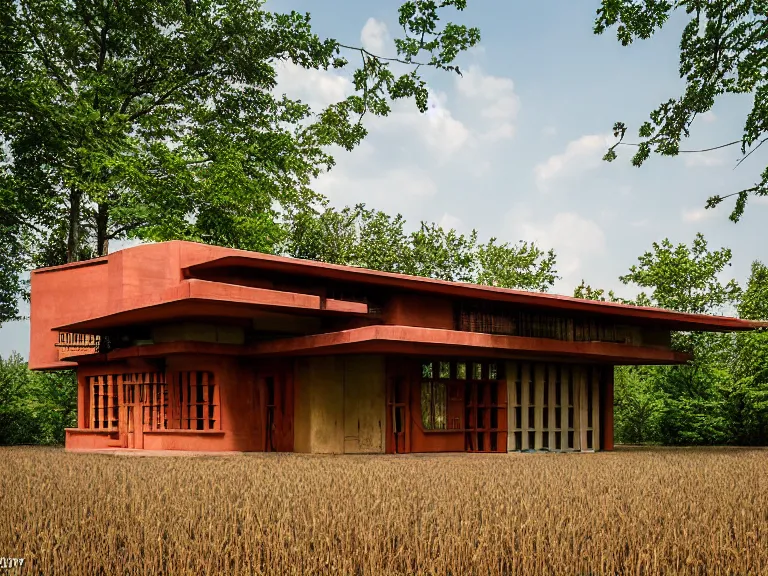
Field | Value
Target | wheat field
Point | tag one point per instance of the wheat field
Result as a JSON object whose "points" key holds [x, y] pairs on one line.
{"points": [[642, 511]]}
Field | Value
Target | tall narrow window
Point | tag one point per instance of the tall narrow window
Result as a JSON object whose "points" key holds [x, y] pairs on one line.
{"points": [[104, 408], [197, 397], [433, 405]]}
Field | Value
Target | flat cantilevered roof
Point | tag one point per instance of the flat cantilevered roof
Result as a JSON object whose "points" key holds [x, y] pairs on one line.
{"points": [[165, 281], [355, 275]]}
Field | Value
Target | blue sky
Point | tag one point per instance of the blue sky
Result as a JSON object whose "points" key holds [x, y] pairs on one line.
{"points": [[513, 148]]}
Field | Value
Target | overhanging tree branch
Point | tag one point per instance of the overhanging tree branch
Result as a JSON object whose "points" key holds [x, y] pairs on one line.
{"points": [[372, 55]]}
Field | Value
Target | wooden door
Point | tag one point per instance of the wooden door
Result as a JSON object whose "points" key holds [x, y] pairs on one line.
{"points": [[134, 425], [398, 407], [276, 394], [364, 405]]}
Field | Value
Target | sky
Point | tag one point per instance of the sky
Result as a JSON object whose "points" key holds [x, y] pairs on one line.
{"points": [[513, 147]]}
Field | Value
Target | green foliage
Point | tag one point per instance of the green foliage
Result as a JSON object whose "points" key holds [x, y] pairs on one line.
{"points": [[722, 51], [637, 406], [163, 120], [749, 397], [516, 266], [754, 302], [586, 292], [35, 407], [719, 397], [684, 279], [372, 239]]}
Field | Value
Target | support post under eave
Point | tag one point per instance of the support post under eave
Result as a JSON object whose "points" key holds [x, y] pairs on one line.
{"points": [[607, 423], [83, 406]]}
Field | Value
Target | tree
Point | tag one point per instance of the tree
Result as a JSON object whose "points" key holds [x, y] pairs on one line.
{"points": [[162, 120], [684, 279], [695, 403], [748, 398], [637, 406], [586, 292], [522, 266], [687, 279], [372, 239], [35, 407], [722, 51]]}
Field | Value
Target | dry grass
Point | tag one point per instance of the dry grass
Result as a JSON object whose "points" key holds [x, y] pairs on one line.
{"points": [[660, 511]]}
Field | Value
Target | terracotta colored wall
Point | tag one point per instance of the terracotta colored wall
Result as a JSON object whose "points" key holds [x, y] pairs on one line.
{"points": [[240, 413], [240, 409], [58, 296], [76, 439], [135, 273], [340, 405], [417, 310]]}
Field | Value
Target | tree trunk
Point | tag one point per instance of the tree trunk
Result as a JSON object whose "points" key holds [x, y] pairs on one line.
{"points": [[102, 223], [73, 236]]}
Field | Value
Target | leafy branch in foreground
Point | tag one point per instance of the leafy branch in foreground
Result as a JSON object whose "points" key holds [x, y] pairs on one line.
{"points": [[723, 50]]}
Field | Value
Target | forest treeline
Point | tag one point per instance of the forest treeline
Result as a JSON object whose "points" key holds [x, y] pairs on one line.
{"points": [[720, 397]]}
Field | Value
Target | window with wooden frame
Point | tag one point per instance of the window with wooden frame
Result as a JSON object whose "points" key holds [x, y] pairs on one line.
{"points": [[198, 400], [104, 407], [465, 396], [494, 318], [146, 391], [192, 403], [434, 405]]}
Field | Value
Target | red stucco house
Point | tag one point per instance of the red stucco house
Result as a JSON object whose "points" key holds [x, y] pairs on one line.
{"points": [[184, 346]]}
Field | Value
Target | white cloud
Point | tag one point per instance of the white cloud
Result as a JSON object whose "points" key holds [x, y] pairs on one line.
{"points": [[375, 37], [579, 156], [437, 129], [389, 190], [318, 88], [397, 168], [576, 240], [496, 98], [708, 117], [697, 214]]}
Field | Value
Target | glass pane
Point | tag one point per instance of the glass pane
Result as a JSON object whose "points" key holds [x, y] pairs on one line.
{"points": [[440, 399], [445, 369], [477, 371], [461, 371], [426, 370], [426, 405], [492, 373]]}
